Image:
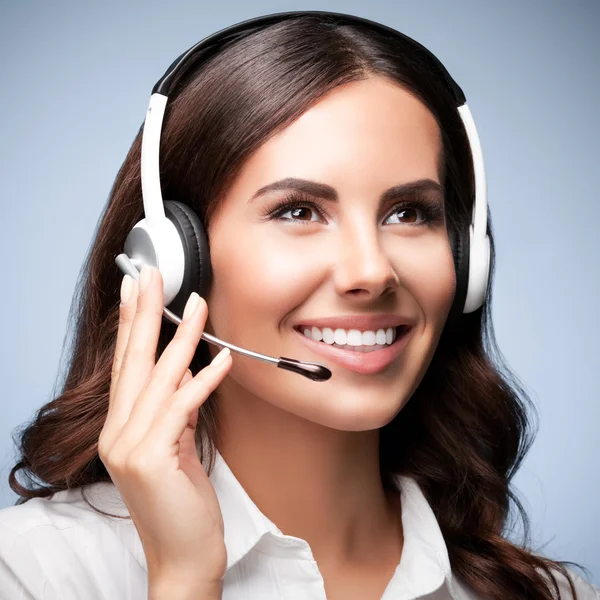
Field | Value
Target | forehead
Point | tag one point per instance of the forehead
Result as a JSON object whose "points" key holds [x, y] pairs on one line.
{"points": [[361, 136]]}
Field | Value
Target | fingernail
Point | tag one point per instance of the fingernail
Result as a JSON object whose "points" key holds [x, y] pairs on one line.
{"points": [[145, 278], [126, 289], [220, 358], [191, 305]]}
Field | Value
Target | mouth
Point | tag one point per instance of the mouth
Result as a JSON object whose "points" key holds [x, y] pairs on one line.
{"points": [[372, 352]]}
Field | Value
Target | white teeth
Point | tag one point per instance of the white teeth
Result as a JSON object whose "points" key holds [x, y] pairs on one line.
{"points": [[352, 338], [339, 337], [368, 338], [389, 335], [328, 336]]}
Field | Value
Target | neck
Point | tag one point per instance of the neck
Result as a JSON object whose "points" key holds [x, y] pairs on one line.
{"points": [[313, 482]]}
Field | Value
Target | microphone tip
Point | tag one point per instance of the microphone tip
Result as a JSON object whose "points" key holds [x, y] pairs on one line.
{"points": [[313, 371]]}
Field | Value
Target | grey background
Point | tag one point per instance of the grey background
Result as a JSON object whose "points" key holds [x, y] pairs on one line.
{"points": [[76, 79]]}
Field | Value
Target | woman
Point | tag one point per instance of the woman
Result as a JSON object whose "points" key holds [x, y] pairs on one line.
{"points": [[389, 480]]}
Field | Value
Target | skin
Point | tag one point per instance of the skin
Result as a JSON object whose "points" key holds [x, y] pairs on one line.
{"points": [[306, 452]]}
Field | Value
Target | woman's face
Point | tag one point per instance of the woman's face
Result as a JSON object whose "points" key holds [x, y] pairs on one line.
{"points": [[345, 258]]}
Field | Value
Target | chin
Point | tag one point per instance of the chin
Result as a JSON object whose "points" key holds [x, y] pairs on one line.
{"points": [[343, 403]]}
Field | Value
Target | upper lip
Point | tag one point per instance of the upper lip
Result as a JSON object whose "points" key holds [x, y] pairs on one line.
{"points": [[360, 322]]}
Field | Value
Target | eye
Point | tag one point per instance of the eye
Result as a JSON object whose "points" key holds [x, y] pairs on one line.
{"points": [[416, 213], [297, 208], [299, 213], [408, 215]]}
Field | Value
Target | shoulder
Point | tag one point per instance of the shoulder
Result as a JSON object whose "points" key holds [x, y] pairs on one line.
{"points": [[62, 544], [584, 589]]}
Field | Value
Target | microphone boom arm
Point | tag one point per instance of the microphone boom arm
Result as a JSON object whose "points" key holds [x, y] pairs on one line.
{"points": [[313, 371]]}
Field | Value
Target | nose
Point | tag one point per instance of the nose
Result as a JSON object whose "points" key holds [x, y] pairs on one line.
{"points": [[364, 270]]}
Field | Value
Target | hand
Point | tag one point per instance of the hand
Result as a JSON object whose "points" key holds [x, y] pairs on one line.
{"points": [[147, 443]]}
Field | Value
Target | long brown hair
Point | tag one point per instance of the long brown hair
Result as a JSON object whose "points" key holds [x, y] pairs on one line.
{"points": [[466, 429]]}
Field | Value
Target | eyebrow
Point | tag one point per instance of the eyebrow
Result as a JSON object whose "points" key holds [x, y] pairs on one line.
{"points": [[322, 190]]}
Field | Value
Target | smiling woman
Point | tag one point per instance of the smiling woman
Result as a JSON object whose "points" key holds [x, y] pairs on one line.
{"points": [[333, 174]]}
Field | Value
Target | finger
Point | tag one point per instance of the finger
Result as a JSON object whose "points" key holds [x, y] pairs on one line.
{"points": [[187, 377], [140, 353], [162, 439], [127, 309], [166, 376]]}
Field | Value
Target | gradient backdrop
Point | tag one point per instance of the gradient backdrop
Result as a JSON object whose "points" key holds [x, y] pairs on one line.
{"points": [[76, 78]]}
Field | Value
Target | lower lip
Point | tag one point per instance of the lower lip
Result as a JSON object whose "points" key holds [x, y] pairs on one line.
{"points": [[365, 363]]}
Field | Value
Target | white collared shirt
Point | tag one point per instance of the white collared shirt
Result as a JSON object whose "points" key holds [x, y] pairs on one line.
{"points": [[59, 548]]}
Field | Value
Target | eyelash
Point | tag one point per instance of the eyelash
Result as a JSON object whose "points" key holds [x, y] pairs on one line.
{"points": [[432, 212]]}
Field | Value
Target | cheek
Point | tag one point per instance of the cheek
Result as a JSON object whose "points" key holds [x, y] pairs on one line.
{"points": [[257, 280], [428, 273], [432, 282]]}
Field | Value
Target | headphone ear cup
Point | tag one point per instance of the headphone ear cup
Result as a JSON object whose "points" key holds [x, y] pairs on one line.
{"points": [[197, 274], [459, 243]]}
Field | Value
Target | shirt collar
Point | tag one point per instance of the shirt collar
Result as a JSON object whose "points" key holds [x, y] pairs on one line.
{"points": [[423, 568], [244, 524]]}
